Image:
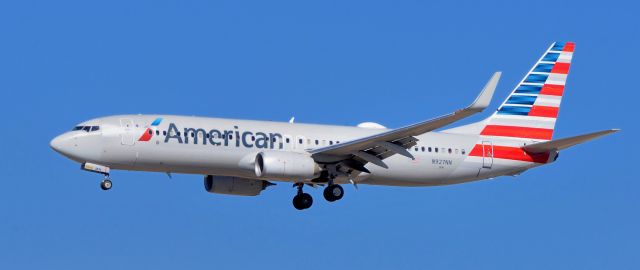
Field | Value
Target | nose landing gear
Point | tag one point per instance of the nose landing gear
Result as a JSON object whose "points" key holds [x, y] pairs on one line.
{"points": [[96, 168]]}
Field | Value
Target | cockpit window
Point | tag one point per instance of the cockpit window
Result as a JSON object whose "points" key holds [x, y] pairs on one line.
{"points": [[86, 128]]}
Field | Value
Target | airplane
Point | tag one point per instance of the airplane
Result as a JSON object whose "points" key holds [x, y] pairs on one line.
{"points": [[244, 157]]}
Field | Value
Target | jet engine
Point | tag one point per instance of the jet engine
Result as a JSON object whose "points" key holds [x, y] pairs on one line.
{"points": [[285, 165], [234, 185]]}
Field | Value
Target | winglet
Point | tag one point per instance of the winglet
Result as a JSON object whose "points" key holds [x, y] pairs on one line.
{"points": [[483, 100]]}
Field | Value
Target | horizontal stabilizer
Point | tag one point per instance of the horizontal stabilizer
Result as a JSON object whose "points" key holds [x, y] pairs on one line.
{"points": [[566, 142]]}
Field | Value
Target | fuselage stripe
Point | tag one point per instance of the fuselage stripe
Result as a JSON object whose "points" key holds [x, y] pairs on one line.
{"points": [[506, 152]]}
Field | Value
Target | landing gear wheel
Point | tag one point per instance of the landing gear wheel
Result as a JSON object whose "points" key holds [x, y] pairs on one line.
{"points": [[106, 184], [302, 201], [333, 193]]}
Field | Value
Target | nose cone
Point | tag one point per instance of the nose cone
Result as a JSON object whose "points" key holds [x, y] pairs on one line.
{"points": [[61, 144], [79, 146]]}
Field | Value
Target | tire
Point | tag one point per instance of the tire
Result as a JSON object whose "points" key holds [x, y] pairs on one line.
{"points": [[106, 184], [333, 193], [327, 195], [307, 200], [302, 201], [297, 202]]}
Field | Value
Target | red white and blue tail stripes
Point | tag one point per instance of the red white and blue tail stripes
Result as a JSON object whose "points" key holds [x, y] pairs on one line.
{"points": [[530, 111]]}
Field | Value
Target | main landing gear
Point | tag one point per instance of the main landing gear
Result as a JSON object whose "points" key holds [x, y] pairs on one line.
{"points": [[303, 200], [333, 193]]}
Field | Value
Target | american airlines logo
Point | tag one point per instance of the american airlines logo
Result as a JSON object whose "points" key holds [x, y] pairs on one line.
{"points": [[216, 137], [148, 134]]}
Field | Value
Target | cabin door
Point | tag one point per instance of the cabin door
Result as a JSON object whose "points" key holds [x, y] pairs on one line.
{"points": [[127, 131], [487, 154]]}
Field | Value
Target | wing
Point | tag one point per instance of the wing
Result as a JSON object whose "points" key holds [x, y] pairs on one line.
{"points": [[356, 153]]}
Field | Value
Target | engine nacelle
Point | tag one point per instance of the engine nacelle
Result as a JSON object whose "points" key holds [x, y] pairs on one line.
{"points": [[286, 165], [234, 185]]}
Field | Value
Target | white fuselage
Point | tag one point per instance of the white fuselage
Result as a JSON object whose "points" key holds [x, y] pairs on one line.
{"points": [[228, 147]]}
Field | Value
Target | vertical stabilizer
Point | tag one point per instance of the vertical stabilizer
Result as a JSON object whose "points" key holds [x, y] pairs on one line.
{"points": [[531, 110]]}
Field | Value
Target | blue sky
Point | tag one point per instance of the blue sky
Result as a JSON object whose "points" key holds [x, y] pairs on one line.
{"points": [[337, 62]]}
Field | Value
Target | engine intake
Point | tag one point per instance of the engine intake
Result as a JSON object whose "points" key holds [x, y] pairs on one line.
{"points": [[234, 185], [286, 165]]}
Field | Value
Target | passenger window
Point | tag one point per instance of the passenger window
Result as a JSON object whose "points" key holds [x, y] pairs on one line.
{"points": [[317, 142], [450, 151], [422, 149], [436, 149], [463, 152], [157, 132], [429, 149], [164, 132], [287, 139], [230, 137], [150, 132], [300, 141], [330, 142], [416, 149]]}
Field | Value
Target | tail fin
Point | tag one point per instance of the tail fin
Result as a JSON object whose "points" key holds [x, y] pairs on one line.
{"points": [[531, 110]]}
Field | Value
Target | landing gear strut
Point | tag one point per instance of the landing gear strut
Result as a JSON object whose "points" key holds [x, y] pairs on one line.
{"points": [[96, 168], [333, 192], [106, 184], [302, 200]]}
